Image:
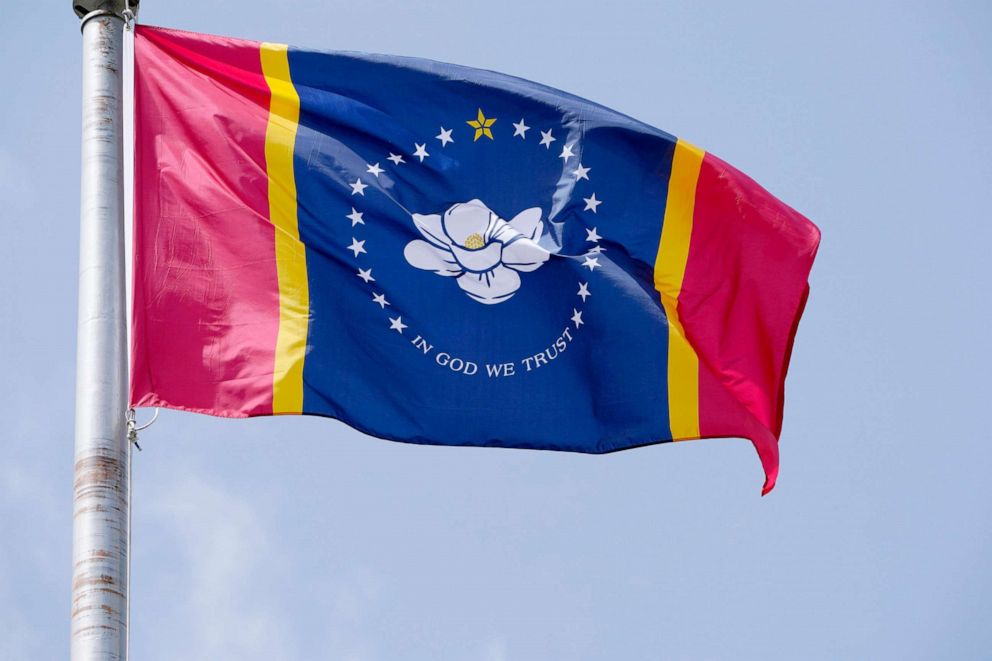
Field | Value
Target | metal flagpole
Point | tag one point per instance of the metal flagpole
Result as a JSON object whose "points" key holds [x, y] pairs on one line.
{"points": [[102, 453]]}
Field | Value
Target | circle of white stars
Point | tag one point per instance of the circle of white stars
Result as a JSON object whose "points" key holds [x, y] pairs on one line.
{"points": [[485, 129]]}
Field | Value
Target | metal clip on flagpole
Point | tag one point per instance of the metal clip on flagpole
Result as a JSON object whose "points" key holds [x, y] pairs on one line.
{"points": [[129, 15], [133, 427], [102, 450]]}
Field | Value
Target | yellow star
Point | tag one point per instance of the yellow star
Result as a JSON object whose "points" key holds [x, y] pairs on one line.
{"points": [[482, 126]]}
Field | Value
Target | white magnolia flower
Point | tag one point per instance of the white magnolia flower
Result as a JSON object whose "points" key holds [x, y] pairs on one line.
{"points": [[483, 251]]}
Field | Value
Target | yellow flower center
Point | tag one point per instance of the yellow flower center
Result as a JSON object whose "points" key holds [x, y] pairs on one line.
{"points": [[474, 242]]}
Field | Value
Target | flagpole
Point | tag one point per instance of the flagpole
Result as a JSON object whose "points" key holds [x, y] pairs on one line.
{"points": [[99, 617]]}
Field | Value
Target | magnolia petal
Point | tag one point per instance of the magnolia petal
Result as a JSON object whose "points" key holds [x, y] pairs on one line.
{"points": [[524, 255], [430, 226], [493, 287], [423, 255], [528, 222], [483, 259], [502, 231], [466, 219]]}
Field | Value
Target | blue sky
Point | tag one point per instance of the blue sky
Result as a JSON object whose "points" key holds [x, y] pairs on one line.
{"points": [[302, 539]]}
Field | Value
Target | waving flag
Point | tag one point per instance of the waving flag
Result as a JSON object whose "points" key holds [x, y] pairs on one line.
{"points": [[437, 254]]}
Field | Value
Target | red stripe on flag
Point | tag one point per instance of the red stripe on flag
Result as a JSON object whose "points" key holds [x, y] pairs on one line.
{"points": [[205, 271], [744, 289]]}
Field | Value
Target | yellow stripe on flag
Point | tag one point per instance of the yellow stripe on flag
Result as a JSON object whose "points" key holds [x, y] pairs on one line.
{"points": [[291, 263], [669, 269]]}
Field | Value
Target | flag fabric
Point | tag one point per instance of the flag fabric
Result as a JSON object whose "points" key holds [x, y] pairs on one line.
{"points": [[444, 255]]}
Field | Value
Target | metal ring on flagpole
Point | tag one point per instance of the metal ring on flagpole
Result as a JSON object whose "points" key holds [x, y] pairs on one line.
{"points": [[149, 423], [130, 416], [96, 13]]}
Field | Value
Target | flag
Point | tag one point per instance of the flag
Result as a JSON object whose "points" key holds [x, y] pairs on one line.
{"points": [[444, 255]]}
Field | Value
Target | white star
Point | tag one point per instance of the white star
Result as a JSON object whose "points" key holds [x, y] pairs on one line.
{"points": [[355, 216], [396, 324], [356, 246], [566, 152], [577, 318], [592, 236], [581, 173], [358, 188], [395, 158], [374, 169], [444, 136], [421, 152], [546, 139], [592, 263], [380, 299], [591, 203], [366, 275], [520, 129], [584, 291], [596, 250]]}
